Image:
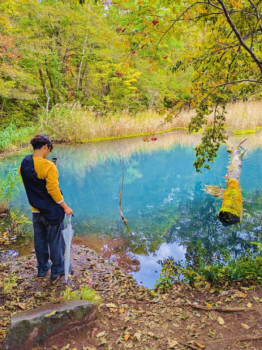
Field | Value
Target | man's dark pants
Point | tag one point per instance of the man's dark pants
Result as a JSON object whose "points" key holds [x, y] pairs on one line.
{"points": [[49, 244]]}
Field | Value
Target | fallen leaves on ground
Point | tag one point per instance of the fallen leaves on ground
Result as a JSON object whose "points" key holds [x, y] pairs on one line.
{"points": [[132, 317], [220, 321]]}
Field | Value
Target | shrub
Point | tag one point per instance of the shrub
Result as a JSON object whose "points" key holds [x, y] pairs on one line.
{"points": [[13, 136], [83, 293], [246, 268], [8, 283]]}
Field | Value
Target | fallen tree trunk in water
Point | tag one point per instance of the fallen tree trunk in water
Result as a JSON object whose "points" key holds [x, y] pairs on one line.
{"points": [[231, 210]]}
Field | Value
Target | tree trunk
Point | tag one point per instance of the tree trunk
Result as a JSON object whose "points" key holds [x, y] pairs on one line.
{"points": [[81, 63], [231, 210]]}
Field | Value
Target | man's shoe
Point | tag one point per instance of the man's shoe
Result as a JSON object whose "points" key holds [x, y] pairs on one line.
{"points": [[43, 272], [56, 276]]}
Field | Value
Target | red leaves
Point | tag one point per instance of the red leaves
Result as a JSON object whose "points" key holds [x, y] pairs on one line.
{"points": [[8, 50], [93, 333], [119, 74], [120, 30], [147, 139], [155, 21]]}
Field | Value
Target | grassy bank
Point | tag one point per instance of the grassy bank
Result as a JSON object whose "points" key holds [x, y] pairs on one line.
{"points": [[72, 123]]}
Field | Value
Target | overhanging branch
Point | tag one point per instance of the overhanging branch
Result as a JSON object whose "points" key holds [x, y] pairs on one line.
{"points": [[182, 14], [239, 36]]}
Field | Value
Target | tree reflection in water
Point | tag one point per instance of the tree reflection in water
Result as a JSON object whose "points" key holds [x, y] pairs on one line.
{"points": [[113, 249]]}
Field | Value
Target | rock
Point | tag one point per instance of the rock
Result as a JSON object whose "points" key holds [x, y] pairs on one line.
{"points": [[48, 321]]}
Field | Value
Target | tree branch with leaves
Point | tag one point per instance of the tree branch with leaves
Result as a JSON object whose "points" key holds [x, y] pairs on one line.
{"points": [[223, 48]]}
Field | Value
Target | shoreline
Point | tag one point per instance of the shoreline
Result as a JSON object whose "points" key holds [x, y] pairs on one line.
{"points": [[132, 316], [18, 149]]}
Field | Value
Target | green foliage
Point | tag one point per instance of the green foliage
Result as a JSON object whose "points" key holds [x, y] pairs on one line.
{"points": [[9, 283], [222, 47], [19, 224], [170, 274], [9, 186], [71, 51], [247, 268], [13, 136], [83, 293]]}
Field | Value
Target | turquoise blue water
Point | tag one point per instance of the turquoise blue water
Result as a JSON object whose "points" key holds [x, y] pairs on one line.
{"points": [[169, 214]]}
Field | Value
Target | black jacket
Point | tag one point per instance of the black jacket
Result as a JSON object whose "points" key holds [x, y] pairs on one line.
{"points": [[37, 193]]}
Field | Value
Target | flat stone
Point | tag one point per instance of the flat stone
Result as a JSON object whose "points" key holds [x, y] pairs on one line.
{"points": [[29, 328]]}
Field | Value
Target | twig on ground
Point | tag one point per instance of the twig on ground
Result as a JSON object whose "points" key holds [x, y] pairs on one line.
{"points": [[215, 308], [247, 338], [188, 345]]}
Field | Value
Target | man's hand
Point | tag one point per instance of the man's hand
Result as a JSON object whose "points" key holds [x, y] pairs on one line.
{"points": [[67, 210]]}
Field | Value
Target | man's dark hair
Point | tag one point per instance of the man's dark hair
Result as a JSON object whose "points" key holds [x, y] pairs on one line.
{"points": [[40, 140]]}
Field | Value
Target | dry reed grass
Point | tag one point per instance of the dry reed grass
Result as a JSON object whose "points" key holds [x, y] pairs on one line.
{"points": [[80, 125], [244, 115], [240, 116], [72, 123]]}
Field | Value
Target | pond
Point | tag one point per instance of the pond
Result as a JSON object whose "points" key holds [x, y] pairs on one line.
{"points": [[168, 212]]}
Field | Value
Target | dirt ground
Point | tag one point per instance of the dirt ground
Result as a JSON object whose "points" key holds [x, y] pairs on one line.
{"points": [[132, 317]]}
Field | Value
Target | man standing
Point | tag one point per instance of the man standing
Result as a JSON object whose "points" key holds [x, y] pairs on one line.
{"points": [[40, 178]]}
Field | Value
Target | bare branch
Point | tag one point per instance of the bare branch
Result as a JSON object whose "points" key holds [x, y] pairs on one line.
{"points": [[257, 92], [230, 65], [229, 83], [121, 191], [240, 38], [48, 100], [255, 8], [258, 15], [214, 308], [40, 105], [242, 142], [213, 5], [182, 14], [238, 82]]}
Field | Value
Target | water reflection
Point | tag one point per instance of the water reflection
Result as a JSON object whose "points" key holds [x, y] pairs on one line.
{"points": [[150, 267], [23, 249], [113, 249], [164, 201]]}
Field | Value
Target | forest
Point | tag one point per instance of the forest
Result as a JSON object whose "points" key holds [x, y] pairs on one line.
{"points": [[129, 63]]}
